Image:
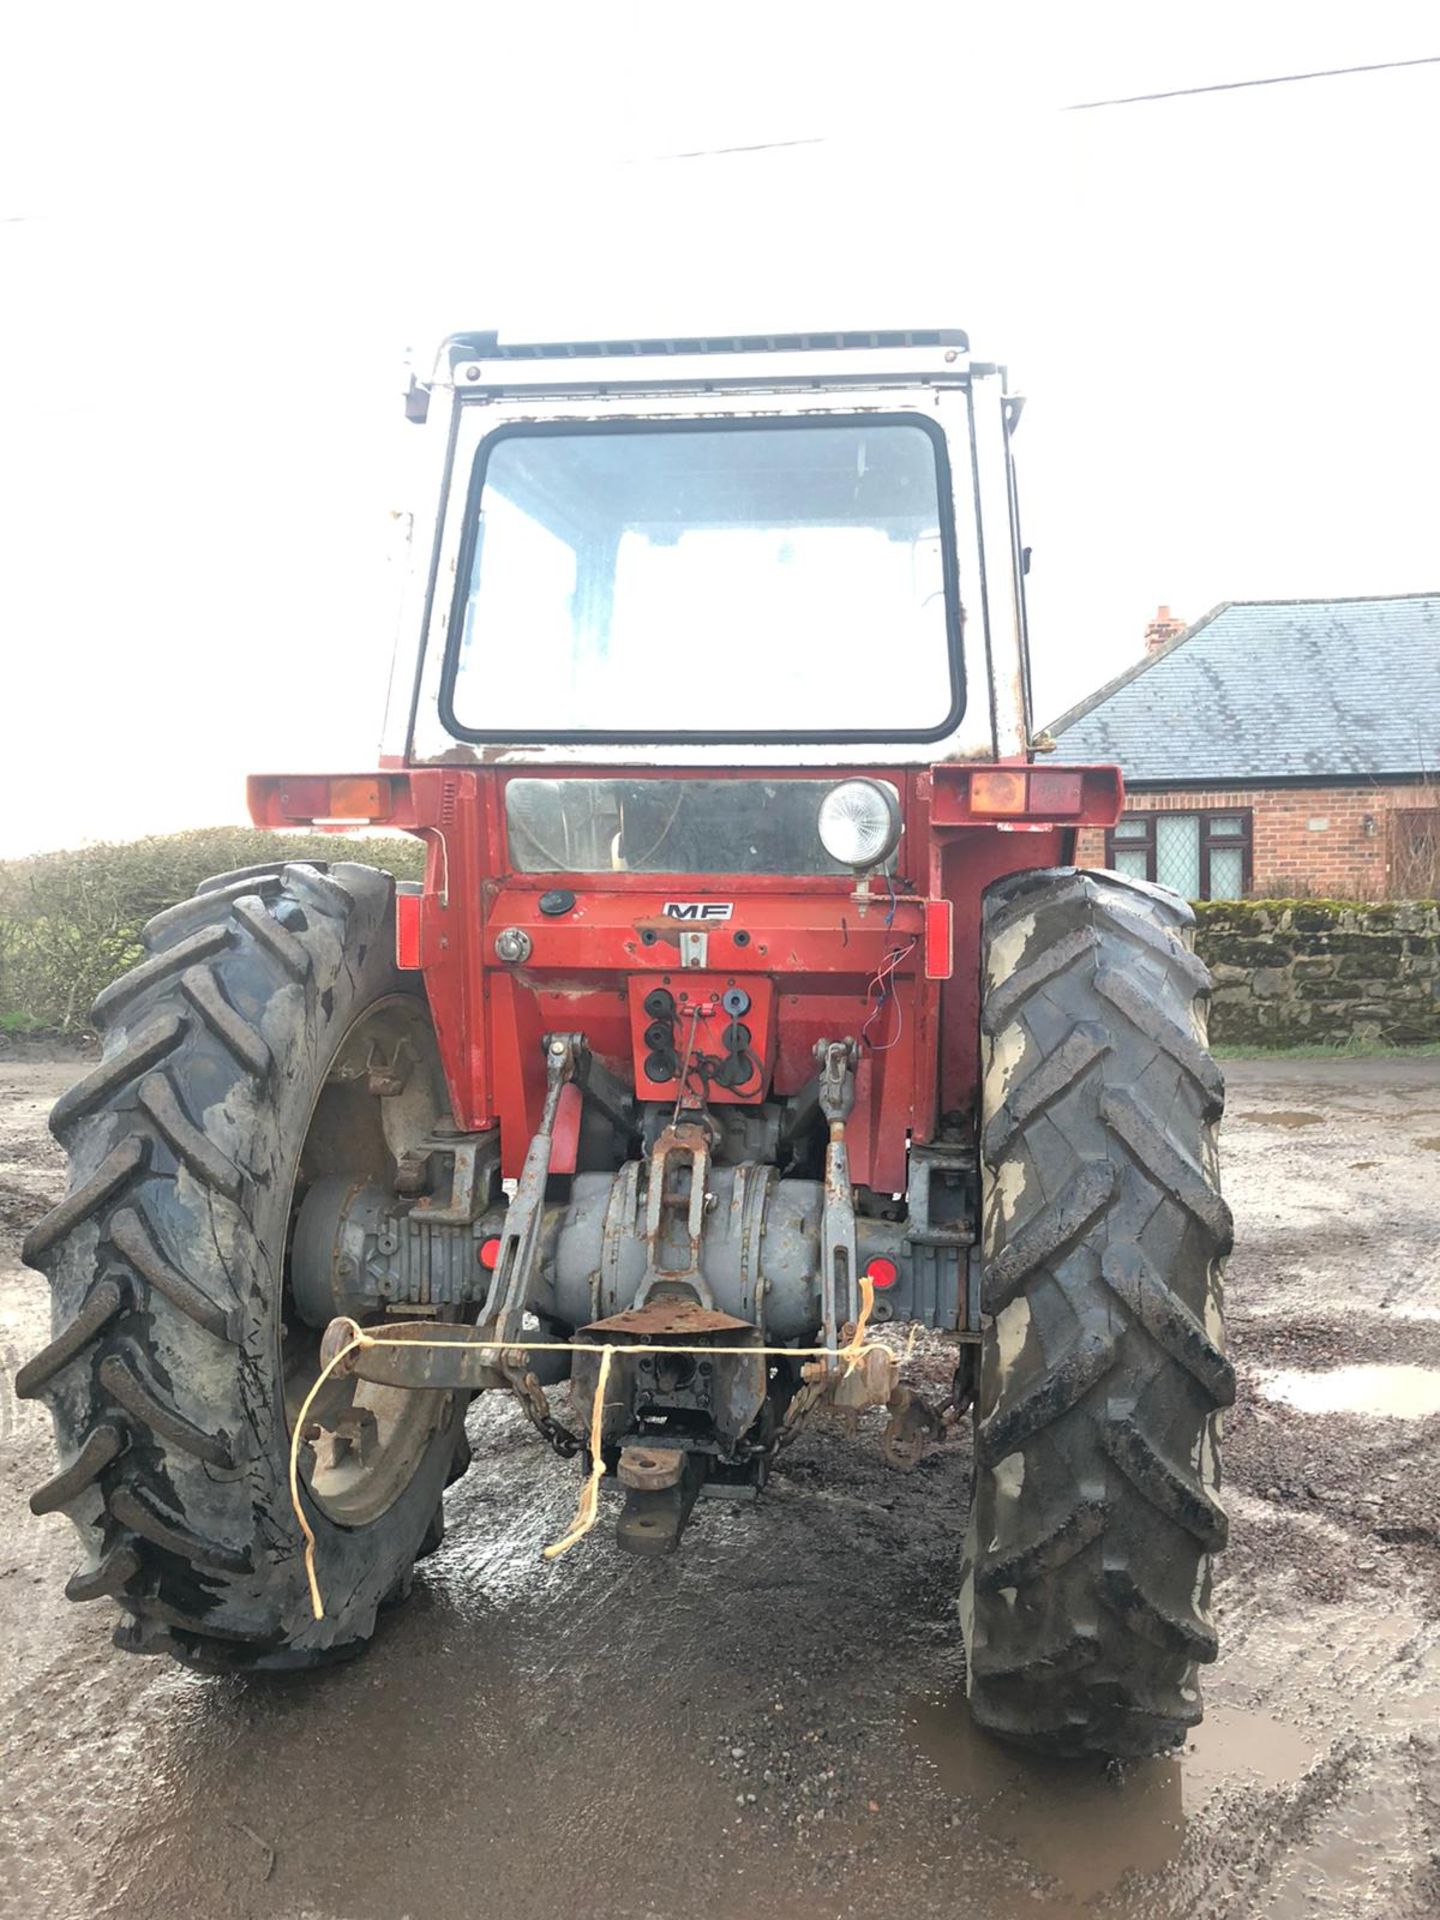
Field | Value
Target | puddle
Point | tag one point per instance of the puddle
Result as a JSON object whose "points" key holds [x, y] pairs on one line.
{"points": [[1070, 1820], [1383, 1392], [1283, 1117]]}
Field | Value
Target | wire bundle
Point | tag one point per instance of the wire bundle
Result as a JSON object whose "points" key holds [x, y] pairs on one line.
{"points": [[881, 989]]}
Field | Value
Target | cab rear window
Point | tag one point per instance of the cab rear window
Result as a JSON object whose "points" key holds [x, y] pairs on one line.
{"points": [[667, 826], [783, 579]]}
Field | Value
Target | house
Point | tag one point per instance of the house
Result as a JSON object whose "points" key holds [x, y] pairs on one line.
{"points": [[1276, 747]]}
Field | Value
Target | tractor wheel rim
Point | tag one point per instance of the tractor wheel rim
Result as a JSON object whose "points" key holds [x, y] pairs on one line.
{"points": [[365, 1441]]}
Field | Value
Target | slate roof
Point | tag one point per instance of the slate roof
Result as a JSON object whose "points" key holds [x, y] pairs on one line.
{"points": [[1274, 689]]}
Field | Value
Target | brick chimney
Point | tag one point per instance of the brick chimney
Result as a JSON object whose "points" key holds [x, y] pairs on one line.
{"points": [[1162, 629]]}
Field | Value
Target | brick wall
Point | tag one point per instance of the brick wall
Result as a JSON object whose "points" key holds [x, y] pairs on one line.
{"points": [[1306, 840]]}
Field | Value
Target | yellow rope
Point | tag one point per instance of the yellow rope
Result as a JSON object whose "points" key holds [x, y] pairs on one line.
{"points": [[297, 1432], [587, 1511]]}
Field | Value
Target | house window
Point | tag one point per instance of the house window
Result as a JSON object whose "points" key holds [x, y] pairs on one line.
{"points": [[1203, 856]]}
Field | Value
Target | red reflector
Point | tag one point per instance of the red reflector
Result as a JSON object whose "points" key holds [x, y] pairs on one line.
{"points": [[939, 939], [1055, 792], [882, 1273], [489, 1253], [407, 930]]}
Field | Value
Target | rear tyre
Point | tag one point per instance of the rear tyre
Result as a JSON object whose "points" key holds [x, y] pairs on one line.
{"points": [[236, 1069], [1085, 1603]]}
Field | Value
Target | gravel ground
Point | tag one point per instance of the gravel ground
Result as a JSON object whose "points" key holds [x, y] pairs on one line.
{"points": [[769, 1725]]}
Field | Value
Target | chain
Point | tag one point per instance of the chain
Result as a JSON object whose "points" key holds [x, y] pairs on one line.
{"points": [[803, 1403], [536, 1408]]}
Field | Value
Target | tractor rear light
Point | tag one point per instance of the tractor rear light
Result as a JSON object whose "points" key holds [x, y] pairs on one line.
{"points": [[997, 790], [1009, 797], [882, 1272], [359, 797], [407, 931], [939, 939], [1055, 792], [488, 1253]]}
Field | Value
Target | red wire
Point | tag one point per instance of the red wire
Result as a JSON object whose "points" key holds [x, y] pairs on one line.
{"points": [[882, 984]]}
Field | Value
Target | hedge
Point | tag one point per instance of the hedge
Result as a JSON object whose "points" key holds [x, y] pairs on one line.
{"points": [[70, 922]]}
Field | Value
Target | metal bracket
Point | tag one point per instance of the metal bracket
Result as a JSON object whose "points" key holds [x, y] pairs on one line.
{"points": [[607, 1092], [503, 1314], [930, 1223], [694, 948], [409, 1357], [839, 1287], [424, 1356], [675, 1221], [475, 1163]]}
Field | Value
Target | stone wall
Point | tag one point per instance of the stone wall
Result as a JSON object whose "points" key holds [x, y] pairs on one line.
{"points": [[1320, 972]]}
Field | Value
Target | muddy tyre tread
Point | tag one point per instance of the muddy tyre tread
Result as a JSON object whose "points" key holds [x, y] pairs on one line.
{"points": [[1095, 1510], [170, 1442]]}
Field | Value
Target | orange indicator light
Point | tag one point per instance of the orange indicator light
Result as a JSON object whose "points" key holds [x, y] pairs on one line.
{"points": [[997, 790]]}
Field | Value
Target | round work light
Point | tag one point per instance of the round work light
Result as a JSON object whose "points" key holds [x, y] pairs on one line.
{"points": [[860, 824]]}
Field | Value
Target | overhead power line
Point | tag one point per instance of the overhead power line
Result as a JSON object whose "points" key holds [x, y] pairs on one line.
{"points": [[1270, 80], [760, 146], [1088, 106]]}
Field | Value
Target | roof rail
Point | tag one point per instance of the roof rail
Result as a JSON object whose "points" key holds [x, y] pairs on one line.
{"points": [[489, 346]]}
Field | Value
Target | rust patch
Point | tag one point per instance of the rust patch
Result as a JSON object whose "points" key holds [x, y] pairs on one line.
{"points": [[663, 926], [672, 1316]]}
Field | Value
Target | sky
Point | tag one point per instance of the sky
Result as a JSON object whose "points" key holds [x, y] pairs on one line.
{"points": [[221, 233]]}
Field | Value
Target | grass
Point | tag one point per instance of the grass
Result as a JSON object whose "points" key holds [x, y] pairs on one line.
{"points": [[17, 1022], [1345, 1050]]}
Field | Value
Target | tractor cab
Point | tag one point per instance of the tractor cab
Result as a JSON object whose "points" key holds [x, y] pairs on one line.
{"points": [[751, 545]]}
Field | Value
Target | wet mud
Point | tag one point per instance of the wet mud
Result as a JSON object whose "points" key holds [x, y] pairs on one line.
{"points": [[772, 1724]]}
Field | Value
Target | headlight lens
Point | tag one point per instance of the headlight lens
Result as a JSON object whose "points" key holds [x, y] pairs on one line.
{"points": [[860, 823]]}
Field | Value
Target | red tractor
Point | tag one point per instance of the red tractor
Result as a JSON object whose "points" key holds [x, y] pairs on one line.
{"points": [[749, 984]]}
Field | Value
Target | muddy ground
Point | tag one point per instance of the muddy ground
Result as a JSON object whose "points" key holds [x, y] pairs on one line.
{"points": [[769, 1724]]}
